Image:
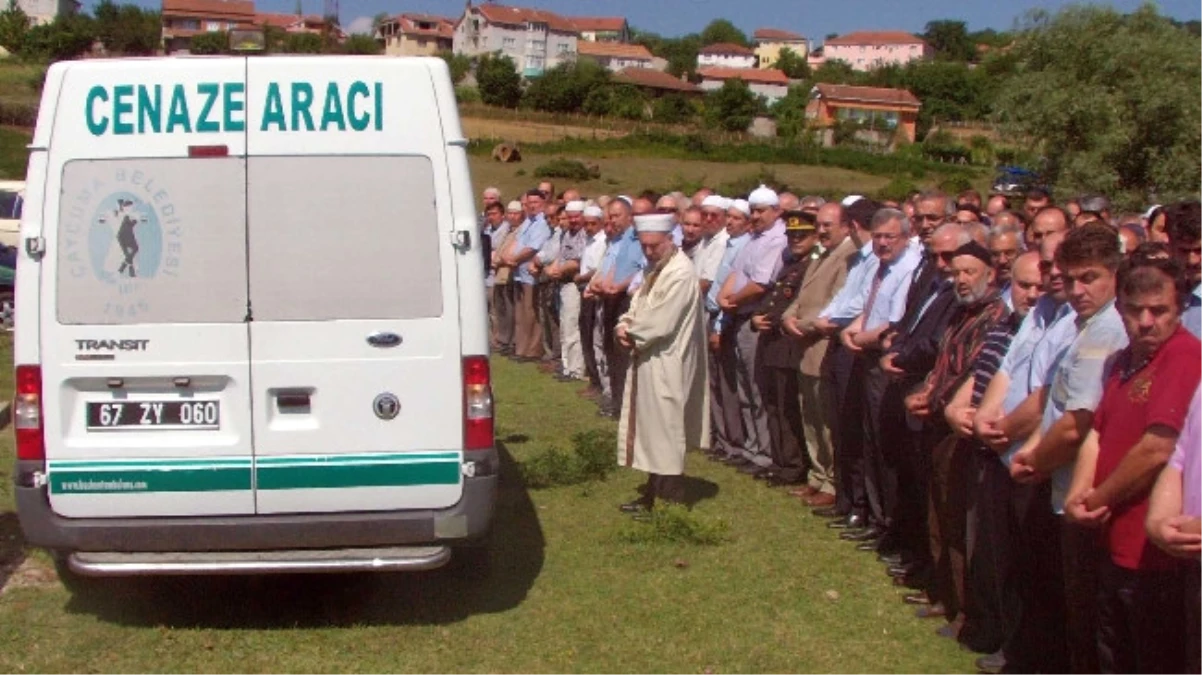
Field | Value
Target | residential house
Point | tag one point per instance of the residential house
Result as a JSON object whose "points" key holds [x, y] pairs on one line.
{"points": [[816, 58], [877, 109], [726, 55], [45, 11], [615, 56], [770, 83], [291, 23], [769, 42], [417, 35], [536, 40], [602, 28], [871, 49], [655, 82], [183, 19]]}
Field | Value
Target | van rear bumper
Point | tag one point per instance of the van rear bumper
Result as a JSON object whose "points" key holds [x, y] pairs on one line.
{"points": [[463, 523]]}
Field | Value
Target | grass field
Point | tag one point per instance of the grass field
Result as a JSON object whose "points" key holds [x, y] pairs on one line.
{"points": [[566, 594]]}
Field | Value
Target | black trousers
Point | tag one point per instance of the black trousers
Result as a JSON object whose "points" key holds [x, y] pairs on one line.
{"points": [[1192, 596], [779, 391], [1141, 620], [588, 323], [1036, 637], [910, 533], [617, 357], [991, 596], [887, 445], [843, 376]]}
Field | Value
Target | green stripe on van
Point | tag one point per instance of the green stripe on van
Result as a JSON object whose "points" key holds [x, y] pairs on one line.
{"points": [[365, 474], [134, 481]]}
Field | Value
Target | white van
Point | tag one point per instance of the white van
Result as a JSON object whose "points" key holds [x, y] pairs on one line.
{"points": [[253, 329]]}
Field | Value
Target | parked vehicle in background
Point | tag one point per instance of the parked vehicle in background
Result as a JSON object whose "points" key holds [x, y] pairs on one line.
{"points": [[12, 198], [1015, 181]]}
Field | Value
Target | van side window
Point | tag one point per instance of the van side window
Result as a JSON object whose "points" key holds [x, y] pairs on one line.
{"points": [[343, 238], [152, 241]]}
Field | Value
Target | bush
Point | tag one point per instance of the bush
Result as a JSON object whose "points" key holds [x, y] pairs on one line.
{"points": [[675, 524], [459, 64], [621, 100], [467, 94], [566, 168], [955, 184], [303, 43], [747, 182], [566, 87], [215, 42], [733, 107], [498, 81], [896, 190], [673, 109], [593, 458]]}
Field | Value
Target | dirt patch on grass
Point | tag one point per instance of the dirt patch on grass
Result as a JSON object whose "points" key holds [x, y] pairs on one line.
{"points": [[531, 132]]}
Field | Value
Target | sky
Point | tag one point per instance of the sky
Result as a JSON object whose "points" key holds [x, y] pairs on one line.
{"points": [[812, 18]]}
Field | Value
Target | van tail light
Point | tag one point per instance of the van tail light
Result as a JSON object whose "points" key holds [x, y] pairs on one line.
{"points": [[27, 413], [477, 404]]}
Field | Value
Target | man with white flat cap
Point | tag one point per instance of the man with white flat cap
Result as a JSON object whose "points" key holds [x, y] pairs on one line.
{"points": [[665, 407], [752, 273]]}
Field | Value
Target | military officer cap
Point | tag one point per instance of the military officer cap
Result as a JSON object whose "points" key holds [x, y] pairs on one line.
{"points": [[799, 222]]}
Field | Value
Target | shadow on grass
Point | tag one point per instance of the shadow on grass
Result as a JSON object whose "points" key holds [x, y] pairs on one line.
{"points": [[698, 490], [12, 550], [441, 596]]}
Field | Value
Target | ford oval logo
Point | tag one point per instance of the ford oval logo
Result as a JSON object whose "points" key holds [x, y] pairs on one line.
{"points": [[383, 340]]}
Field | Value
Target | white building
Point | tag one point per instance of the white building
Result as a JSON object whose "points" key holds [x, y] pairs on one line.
{"points": [[614, 56], [726, 55], [44, 11], [536, 40], [770, 83]]}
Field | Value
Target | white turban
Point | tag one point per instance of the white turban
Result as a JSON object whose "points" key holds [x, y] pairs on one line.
{"points": [[741, 206], [592, 211], [575, 206], [716, 201], [850, 199], [763, 196], [515, 205], [654, 222]]}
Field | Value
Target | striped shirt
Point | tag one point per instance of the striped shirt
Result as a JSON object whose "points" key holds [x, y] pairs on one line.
{"points": [[993, 352]]}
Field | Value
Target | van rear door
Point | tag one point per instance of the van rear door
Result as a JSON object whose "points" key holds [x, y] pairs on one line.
{"points": [[355, 357], [145, 359]]}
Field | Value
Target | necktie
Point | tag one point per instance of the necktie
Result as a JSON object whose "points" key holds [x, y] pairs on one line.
{"points": [[876, 286]]}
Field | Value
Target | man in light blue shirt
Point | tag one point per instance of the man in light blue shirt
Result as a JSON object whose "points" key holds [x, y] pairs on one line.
{"points": [[532, 235], [725, 417], [623, 259]]}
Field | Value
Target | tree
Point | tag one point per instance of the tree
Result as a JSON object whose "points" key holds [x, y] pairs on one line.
{"points": [[215, 42], [794, 65], [498, 81], [565, 87], [949, 40], [69, 36], [836, 71], [616, 100], [14, 26], [733, 107], [1105, 121], [127, 29], [460, 64], [673, 109], [361, 44], [790, 113], [303, 43], [721, 30]]}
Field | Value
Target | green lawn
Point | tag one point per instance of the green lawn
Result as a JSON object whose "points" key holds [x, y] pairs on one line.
{"points": [[13, 155], [783, 595]]}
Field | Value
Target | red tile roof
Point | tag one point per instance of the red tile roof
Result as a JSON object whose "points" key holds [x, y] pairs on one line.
{"points": [[751, 75], [726, 48], [522, 15], [277, 20], [238, 10], [844, 93], [614, 50], [775, 35], [876, 37], [593, 24], [410, 24], [653, 79]]}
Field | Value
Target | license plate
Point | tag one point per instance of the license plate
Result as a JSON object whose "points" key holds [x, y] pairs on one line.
{"points": [[127, 415]]}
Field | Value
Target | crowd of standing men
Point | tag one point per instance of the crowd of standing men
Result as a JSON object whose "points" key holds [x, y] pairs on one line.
{"points": [[1001, 404]]}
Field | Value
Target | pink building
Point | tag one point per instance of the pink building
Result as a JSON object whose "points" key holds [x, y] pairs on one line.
{"points": [[871, 49]]}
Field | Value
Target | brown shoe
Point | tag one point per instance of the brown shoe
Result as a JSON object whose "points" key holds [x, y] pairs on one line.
{"points": [[803, 491], [820, 499]]}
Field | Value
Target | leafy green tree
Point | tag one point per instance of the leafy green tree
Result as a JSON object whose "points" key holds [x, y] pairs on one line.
{"points": [[790, 113], [673, 109], [721, 30], [949, 40], [835, 72], [498, 81], [460, 64], [616, 100], [303, 43], [793, 64], [733, 107], [215, 42], [14, 25], [127, 29], [274, 37], [1106, 121], [565, 87], [69, 36], [361, 44]]}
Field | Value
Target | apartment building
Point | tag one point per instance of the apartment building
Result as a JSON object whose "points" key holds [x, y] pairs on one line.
{"points": [[183, 19], [417, 35], [871, 49], [536, 40], [770, 41]]}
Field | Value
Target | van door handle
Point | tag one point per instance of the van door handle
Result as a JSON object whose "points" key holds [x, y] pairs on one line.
{"points": [[384, 340]]}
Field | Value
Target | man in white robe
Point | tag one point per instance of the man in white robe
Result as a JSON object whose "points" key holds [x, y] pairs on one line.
{"points": [[665, 405]]}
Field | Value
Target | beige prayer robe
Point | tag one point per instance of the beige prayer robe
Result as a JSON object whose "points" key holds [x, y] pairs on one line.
{"points": [[665, 407]]}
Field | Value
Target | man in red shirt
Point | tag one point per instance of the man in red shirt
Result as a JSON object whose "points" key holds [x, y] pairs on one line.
{"points": [[1147, 394]]}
